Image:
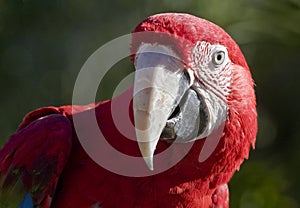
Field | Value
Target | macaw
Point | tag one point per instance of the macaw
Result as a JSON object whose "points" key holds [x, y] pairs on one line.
{"points": [[200, 87]]}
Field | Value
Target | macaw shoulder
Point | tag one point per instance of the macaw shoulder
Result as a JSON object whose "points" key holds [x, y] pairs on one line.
{"points": [[34, 157], [66, 110]]}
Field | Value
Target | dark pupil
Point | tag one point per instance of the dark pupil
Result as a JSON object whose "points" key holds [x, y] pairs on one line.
{"points": [[219, 57]]}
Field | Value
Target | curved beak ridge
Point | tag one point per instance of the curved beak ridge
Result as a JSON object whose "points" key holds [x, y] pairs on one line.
{"points": [[157, 91]]}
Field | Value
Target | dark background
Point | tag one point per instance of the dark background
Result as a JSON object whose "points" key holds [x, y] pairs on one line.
{"points": [[44, 43]]}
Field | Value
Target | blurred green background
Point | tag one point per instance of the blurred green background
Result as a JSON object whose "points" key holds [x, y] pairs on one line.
{"points": [[44, 43]]}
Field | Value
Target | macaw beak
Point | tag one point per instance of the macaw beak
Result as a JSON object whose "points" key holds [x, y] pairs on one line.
{"points": [[160, 83]]}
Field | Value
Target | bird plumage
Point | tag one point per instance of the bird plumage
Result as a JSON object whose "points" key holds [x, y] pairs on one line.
{"points": [[46, 155]]}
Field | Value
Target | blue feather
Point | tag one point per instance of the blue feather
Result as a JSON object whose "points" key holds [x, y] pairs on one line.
{"points": [[27, 202]]}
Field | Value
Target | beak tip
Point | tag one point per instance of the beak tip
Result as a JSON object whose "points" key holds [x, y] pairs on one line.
{"points": [[149, 162]]}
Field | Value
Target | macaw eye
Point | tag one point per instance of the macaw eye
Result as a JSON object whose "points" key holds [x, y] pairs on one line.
{"points": [[218, 58]]}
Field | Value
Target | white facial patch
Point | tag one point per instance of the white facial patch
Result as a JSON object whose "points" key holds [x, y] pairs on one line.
{"points": [[215, 77], [212, 69]]}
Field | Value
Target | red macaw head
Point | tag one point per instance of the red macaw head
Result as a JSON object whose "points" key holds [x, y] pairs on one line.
{"points": [[191, 81]]}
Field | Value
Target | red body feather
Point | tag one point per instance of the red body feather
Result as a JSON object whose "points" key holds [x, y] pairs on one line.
{"points": [[46, 141]]}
